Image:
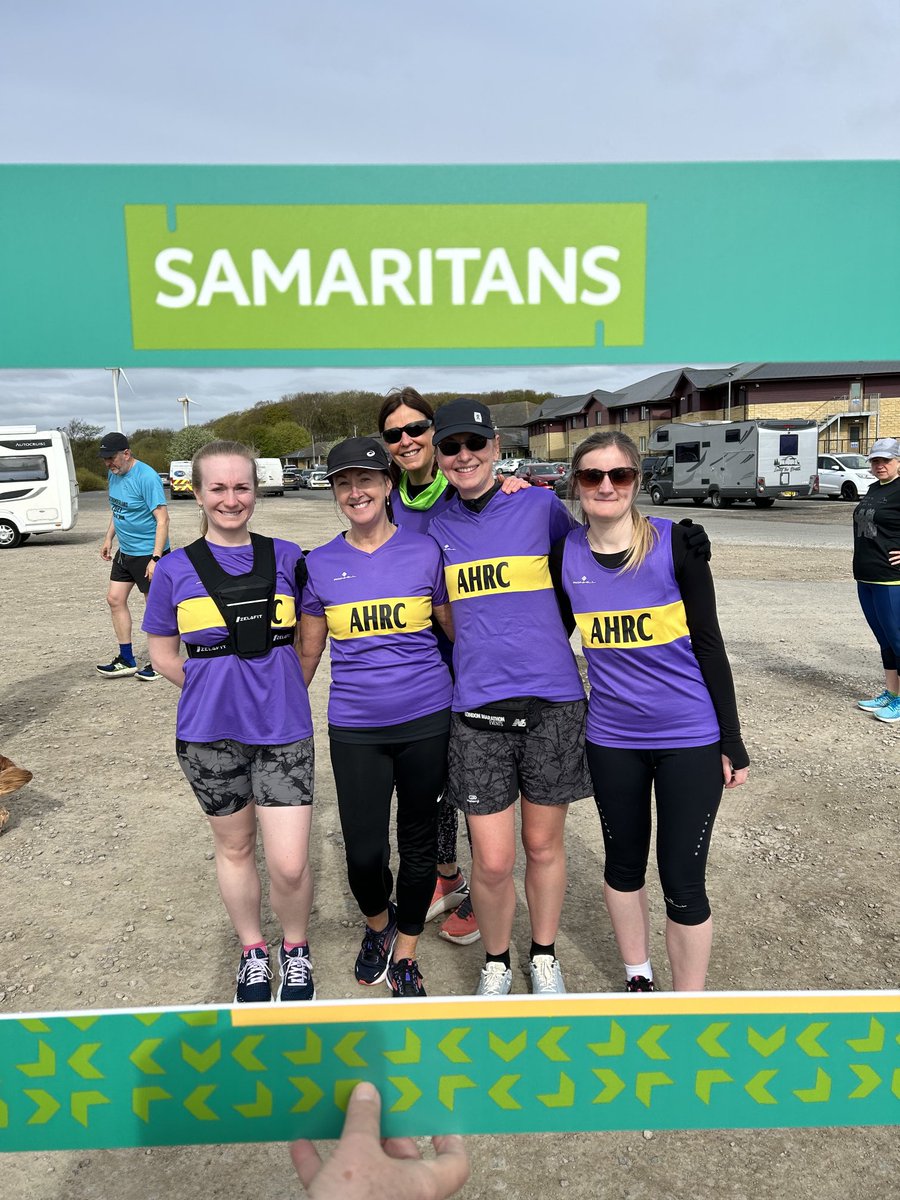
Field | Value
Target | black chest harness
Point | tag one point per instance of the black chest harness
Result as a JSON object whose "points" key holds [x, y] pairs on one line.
{"points": [[246, 602]]}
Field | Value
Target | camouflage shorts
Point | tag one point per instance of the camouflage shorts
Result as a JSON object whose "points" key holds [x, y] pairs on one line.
{"points": [[227, 776], [488, 770]]}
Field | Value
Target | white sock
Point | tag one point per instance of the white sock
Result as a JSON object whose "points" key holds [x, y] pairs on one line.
{"points": [[643, 968]]}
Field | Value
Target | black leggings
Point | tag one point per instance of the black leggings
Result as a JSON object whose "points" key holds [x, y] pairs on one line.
{"points": [[688, 783], [365, 777]]}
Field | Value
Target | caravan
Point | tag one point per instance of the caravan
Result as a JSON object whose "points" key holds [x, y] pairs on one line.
{"points": [[38, 488], [734, 460]]}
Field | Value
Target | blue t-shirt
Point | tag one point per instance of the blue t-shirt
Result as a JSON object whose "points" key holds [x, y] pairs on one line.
{"points": [[132, 498]]}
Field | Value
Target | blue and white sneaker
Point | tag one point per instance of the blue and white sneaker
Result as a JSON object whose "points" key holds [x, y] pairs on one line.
{"points": [[296, 976], [889, 711], [876, 702], [118, 669], [148, 673]]}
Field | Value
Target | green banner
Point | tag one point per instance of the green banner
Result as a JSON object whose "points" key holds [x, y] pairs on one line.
{"points": [[527, 1064], [446, 265]]}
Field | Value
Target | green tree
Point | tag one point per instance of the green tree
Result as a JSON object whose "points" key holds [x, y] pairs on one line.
{"points": [[275, 441], [152, 447], [186, 442], [85, 442]]}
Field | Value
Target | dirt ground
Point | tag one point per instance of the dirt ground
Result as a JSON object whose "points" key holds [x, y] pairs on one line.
{"points": [[109, 895]]}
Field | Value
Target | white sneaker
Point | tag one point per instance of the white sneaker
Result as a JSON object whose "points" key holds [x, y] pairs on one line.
{"points": [[546, 977], [496, 980]]}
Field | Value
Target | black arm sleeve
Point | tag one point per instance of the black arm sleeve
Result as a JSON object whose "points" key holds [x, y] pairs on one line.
{"points": [[698, 593], [565, 607]]}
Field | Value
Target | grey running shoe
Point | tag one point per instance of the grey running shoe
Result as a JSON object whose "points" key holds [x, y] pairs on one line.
{"points": [[118, 669], [496, 980], [375, 951], [296, 984], [254, 978], [546, 977]]}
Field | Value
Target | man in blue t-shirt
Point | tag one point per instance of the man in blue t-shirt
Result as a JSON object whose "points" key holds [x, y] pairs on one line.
{"points": [[140, 523]]}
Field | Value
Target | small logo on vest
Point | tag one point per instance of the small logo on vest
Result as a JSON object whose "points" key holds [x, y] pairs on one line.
{"points": [[340, 578], [583, 579]]}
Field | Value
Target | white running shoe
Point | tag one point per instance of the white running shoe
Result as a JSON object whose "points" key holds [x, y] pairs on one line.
{"points": [[546, 977], [496, 980]]}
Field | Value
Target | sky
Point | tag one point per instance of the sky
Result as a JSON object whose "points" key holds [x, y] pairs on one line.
{"points": [[503, 81]]}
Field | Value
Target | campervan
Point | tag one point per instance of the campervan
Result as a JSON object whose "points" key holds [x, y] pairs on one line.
{"points": [[269, 477], [727, 461], [180, 487], [38, 488]]}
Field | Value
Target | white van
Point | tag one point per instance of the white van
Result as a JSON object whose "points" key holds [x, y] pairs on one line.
{"points": [[180, 487], [270, 474], [38, 488]]}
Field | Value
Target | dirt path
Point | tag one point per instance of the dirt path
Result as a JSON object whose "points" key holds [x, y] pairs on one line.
{"points": [[109, 895]]}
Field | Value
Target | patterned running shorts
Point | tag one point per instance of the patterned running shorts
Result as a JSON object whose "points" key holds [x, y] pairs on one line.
{"points": [[488, 770], [227, 776]]}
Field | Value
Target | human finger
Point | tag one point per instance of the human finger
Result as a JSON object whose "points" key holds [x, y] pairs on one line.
{"points": [[305, 1158], [363, 1112], [739, 777], [451, 1166], [400, 1147]]}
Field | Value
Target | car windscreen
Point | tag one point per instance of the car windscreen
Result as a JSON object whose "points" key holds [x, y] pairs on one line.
{"points": [[854, 462]]}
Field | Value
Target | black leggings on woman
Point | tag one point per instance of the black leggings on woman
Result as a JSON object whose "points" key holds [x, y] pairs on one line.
{"points": [[688, 783], [365, 776]]}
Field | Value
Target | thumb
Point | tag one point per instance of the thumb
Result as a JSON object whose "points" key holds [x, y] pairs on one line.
{"points": [[363, 1112]]}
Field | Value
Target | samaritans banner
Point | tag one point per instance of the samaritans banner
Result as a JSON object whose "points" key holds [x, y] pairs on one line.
{"points": [[442, 265], [517, 1065]]}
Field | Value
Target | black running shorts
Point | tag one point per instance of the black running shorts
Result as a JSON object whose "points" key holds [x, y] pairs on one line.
{"points": [[227, 776]]}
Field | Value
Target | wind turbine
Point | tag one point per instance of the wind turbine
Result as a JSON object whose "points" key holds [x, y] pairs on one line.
{"points": [[185, 401], [116, 372]]}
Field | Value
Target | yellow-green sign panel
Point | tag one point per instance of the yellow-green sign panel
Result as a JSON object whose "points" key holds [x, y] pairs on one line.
{"points": [[169, 1077], [366, 276]]}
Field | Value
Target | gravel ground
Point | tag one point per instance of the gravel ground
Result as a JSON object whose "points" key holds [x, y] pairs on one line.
{"points": [[110, 897]]}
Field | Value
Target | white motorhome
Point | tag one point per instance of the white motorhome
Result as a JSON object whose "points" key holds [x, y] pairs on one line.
{"points": [[726, 461], [270, 477], [38, 487]]}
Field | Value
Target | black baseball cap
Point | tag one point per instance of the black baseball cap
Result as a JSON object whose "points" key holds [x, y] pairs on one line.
{"points": [[463, 416], [361, 452], [113, 444]]}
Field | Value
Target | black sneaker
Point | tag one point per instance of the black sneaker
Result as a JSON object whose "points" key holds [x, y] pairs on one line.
{"points": [[375, 951], [405, 979], [296, 975], [639, 983], [254, 978]]}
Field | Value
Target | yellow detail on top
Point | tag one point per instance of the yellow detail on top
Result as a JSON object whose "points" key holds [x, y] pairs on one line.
{"points": [[368, 618], [632, 628], [203, 613], [496, 576]]}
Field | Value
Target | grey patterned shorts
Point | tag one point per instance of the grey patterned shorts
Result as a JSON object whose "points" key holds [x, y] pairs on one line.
{"points": [[547, 764], [227, 776]]}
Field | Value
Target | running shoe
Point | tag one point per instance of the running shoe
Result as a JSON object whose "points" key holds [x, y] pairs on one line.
{"points": [[496, 980], [254, 978], [461, 927], [546, 977], [296, 983], [639, 983], [890, 711], [880, 701], [375, 951], [118, 669], [448, 894], [147, 673], [405, 979]]}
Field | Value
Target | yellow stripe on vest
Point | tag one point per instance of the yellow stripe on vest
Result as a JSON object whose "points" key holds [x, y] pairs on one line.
{"points": [[368, 618], [633, 628], [496, 576], [203, 613]]}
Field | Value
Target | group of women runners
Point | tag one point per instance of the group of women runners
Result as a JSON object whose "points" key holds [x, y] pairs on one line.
{"points": [[446, 585]]}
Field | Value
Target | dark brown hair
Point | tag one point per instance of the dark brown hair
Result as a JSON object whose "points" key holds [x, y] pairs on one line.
{"points": [[404, 397]]}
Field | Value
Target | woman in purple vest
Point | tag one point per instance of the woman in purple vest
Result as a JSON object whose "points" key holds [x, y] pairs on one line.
{"points": [[661, 714]]}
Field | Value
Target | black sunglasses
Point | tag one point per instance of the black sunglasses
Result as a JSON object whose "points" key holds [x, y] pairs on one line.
{"points": [[618, 476], [413, 429], [477, 441]]}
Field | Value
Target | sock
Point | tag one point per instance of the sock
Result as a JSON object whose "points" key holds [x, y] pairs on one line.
{"points": [[256, 946], [500, 958], [456, 874], [643, 968], [289, 946], [126, 651], [537, 948]]}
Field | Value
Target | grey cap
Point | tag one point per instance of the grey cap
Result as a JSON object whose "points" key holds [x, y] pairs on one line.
{"points": [[884, 448]]}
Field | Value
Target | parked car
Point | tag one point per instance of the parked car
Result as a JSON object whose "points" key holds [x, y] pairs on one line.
{"points": [[542, 474], [508, 466], [291, 478], [844, 476], [561, 486], [304, 475], [317, 479], [648, 466]]}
